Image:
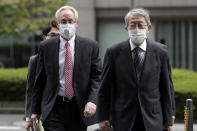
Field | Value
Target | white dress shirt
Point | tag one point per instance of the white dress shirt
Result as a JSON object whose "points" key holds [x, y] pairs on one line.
{"points": [[142, 47], [62, 49]]}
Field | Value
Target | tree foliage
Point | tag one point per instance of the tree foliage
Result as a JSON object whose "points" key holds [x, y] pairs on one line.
{"points": [[18, 17]]}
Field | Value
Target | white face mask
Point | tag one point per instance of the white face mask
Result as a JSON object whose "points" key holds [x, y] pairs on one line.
{"points": [[137, 35], [67, 30]]}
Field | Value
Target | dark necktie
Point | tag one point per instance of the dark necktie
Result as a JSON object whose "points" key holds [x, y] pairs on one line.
{"points": [[68, 72], [138, 62]]}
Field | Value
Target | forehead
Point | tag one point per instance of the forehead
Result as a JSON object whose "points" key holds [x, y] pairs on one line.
{"points": [[67, 14], [54, 30], [137, 18]]}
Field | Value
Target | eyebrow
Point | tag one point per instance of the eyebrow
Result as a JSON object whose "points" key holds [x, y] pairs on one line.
{"points": [[67, 18], [136, 22]]}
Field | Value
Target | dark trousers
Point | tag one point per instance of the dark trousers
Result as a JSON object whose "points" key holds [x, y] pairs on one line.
{"points": [[139, 124], [64, 117]]}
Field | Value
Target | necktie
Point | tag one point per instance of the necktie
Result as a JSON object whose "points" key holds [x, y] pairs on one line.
{"points": [[68, 72], [138, 62]]}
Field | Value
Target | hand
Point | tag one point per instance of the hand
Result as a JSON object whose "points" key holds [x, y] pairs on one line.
{"points": [[104, 125], [90, 109], [29, 126], [35, 118], [173, 119], [168, 128]]}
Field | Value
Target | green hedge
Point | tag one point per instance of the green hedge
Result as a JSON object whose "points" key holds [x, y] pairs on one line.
{"points": [[185, 84], [13, 85]]}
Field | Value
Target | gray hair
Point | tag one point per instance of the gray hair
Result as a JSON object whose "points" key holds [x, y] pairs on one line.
{"points": [[66, 8], [138, 11]]}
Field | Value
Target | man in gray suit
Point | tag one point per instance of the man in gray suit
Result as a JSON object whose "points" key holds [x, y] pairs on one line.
{"points": [[67, 77], [49, 31], [138, 73]]}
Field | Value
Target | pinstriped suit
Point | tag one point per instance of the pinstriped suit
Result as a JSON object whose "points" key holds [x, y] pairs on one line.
{"points": [[86, 76], [151, 94]]}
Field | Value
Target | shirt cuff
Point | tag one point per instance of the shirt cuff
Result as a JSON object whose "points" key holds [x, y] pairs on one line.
{"points": [[28, 119]]}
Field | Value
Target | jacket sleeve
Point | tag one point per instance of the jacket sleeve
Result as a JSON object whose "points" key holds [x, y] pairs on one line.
{"points": [[104, 95], [30, 82], [166, 90], [39, 84], [95, 74], [172, 92]]}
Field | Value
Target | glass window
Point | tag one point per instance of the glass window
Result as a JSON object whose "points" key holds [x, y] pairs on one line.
{"points": [[179, 36]]}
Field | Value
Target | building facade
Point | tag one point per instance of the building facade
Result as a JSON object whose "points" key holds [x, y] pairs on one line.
{"points": [[174, 23]]}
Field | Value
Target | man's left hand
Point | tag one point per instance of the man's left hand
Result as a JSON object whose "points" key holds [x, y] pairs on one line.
{"points": [[90, 109], [168, 128], [173, 119]]}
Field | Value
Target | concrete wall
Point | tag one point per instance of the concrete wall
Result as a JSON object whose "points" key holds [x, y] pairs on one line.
{"points": [[113, 3], [165, 3], [86, 12]]}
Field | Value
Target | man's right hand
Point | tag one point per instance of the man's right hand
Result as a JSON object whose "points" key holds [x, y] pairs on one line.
{"points": [[35, 118], [104, 125], [29, 126]]}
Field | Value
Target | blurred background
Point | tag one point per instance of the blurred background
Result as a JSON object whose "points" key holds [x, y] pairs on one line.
{"points": [[174, 23]]}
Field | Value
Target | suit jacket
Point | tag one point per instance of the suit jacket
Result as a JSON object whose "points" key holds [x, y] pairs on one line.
{"points": [[30, 82], [86, 76], [151, 94]]}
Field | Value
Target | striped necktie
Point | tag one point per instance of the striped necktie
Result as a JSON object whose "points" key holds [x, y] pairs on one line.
{"points": [[138, 62], [68, 72]]}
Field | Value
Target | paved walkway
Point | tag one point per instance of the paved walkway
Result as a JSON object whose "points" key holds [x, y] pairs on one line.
{"points": [[14, 122]]}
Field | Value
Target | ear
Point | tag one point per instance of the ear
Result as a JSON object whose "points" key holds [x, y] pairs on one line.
{"points": [[126, 28], [77, 24], [57, 24], [149, 28], [44, 37]]}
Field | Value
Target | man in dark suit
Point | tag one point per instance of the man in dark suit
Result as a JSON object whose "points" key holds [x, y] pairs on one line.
{"points": [[67, 78], [139, 74], [49, 31]]}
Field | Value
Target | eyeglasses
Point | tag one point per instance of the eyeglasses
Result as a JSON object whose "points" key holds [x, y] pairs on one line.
{"points": [[52, 34], [139, 25], [70, 21]]}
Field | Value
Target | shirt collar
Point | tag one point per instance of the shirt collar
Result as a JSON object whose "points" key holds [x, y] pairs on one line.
{"points": [[142, 46], [63, 42]]}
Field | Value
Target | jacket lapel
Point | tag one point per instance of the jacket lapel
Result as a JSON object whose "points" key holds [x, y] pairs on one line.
{"points": [[128, 55], [56, 55], [78, 50], [148, 61]]}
